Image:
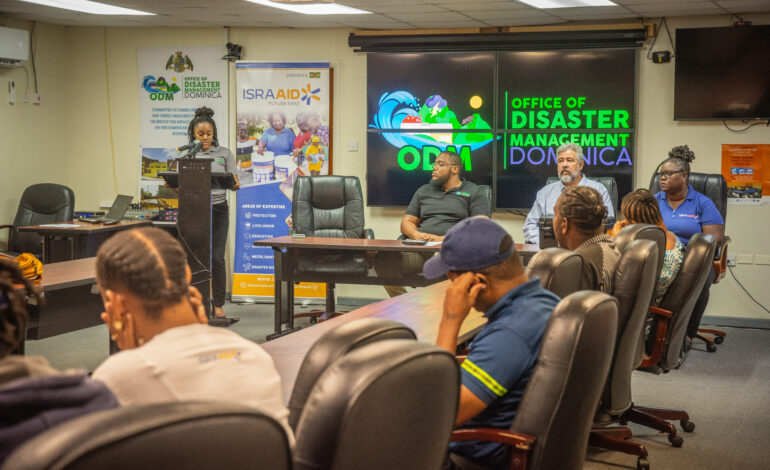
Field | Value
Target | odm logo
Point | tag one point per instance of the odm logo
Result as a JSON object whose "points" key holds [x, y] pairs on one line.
{"points": [[160, 89]]}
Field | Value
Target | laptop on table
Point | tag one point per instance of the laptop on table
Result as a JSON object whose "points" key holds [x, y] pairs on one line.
{"points": [[116, 213]]}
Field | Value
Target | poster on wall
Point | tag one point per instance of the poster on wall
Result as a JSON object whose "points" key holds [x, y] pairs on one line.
{"points": [[283, 131], [742, 168], [173, 83]]}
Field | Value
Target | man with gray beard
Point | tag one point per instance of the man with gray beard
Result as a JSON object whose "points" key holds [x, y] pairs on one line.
{"points": [[569, 165]]}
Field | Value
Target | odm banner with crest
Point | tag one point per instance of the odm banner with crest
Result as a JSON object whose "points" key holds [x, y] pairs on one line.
{"points": [[173, 82], [282, 132]]}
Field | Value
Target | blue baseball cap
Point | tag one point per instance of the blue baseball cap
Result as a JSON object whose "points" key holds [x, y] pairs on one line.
{"points": [[472, 244]]}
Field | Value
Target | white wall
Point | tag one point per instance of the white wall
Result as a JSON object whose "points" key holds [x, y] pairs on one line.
{"points": [[33, 138], [76, 114]]}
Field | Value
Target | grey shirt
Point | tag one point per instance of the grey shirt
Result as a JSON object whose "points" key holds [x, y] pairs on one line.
{"points": [[440, 210], [224, 162]]}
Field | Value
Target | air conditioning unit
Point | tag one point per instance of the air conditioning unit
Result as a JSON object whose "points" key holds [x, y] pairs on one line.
{"points": [[14, 46]]}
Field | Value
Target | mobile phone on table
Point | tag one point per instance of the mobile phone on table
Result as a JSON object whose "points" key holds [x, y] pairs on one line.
{"points": [[409, 241]]}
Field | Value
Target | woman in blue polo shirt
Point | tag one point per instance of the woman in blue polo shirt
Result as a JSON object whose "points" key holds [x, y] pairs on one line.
{"points": [[686, 212]]}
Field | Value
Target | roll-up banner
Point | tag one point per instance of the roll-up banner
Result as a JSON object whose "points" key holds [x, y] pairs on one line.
{"points": [[173, 83], [283, 114]]}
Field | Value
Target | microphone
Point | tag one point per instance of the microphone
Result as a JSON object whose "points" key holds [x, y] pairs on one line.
{"points": [[195, 145]]}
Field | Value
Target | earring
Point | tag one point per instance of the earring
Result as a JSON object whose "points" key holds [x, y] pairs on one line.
{"points": [[118, 325]]}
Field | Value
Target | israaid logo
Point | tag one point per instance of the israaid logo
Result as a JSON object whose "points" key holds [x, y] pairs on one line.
{"points": [[310, 94], [315, 74]]}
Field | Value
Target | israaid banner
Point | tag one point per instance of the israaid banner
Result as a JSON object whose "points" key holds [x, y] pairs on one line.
{"points": [[173, 82], [282, 132]]}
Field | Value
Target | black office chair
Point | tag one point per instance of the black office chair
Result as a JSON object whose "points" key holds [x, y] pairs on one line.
{"points": [[714, 186], [333, 345], [43, 203], [554, 418], [672, 315], [633, 284], [169, 435], [387, 405], [558, 269], [486, 192], [609, 183], [329, 206]]}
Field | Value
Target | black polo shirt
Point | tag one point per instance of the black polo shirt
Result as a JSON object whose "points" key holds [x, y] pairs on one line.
{"points": [[439, 210]]}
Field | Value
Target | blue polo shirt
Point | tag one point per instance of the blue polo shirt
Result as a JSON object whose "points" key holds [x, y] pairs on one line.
{"points": [[689, 218], [500, 362]]}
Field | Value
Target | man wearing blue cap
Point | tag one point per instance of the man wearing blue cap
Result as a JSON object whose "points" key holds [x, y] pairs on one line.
{"points": [[479, 258]]}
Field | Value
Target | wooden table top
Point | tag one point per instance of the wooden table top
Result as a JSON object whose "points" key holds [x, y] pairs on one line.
{"points": [[420, 310], [83, 228], [376, 244], [66, 274]]}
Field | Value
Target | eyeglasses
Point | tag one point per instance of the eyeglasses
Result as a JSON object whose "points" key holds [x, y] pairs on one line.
{"points": [[668, 174], [442, 164]]}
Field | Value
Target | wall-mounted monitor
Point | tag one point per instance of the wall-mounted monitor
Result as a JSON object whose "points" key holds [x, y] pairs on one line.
{"points": [[504, 113], [722, 73]]}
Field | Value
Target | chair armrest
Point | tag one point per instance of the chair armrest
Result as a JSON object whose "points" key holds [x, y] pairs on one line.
{"points": [[520, 444], [720, 260], [664, 316], [369, 234]]}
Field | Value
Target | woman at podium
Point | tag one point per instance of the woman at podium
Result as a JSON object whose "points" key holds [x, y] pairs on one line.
{"points": [[204, 129]]}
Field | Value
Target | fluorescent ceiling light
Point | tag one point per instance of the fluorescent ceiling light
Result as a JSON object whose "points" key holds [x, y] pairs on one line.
{"points": [[322, 8], [569, 3], [85, 6]]}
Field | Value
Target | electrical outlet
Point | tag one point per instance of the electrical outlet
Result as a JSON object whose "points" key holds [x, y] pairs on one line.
{"points": [[352, 146], [762, 259], [744, 258], [731, 260]]}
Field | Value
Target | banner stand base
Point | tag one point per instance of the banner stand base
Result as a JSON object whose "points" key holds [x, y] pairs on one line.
{"points": [[282, 332]]}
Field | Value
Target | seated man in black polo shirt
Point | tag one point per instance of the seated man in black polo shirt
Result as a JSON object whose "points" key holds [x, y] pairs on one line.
{"points": [[435, 208]]}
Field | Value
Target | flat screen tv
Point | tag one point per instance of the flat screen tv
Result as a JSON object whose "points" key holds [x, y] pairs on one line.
{"points": [[504, 113], [722, 73]]}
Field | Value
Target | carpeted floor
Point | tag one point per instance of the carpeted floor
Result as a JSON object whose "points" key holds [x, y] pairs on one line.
{"points": [[726, 393]]}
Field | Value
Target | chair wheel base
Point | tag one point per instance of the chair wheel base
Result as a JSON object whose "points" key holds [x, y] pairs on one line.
{"points": [[687, 426], [719, 339], [711, 347], [642, 464], [675, 440]]}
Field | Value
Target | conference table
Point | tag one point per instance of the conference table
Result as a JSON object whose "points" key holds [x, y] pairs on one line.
{"points": [[84, 238], [287, 251], [420, 310], [69, 301]]}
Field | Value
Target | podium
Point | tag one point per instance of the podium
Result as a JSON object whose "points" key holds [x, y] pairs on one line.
{"points": [[195, 182]]}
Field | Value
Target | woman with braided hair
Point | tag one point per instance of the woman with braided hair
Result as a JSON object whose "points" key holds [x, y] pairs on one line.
{"points": [[686, 212], [578, 225], [33, 395], [168, 350], [204, 129]]}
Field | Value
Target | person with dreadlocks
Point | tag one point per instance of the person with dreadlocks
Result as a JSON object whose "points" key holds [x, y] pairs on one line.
{"points": [[33, 395], [641, 207], [686, 212], [203, 128], [168, 351], [578, 225]]}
